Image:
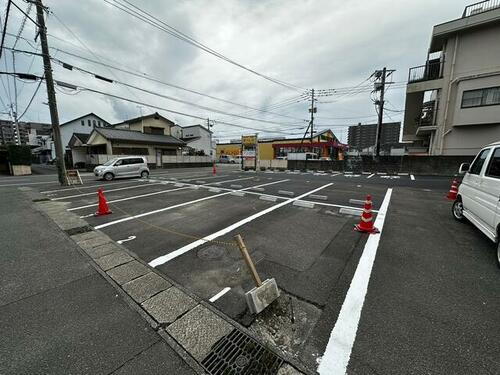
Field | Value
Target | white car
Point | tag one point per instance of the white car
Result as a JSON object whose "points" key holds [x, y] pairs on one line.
{"points": [[478, 197], [126, 166]]}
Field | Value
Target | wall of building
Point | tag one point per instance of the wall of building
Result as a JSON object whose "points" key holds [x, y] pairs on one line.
{"points": [[84, 125], [139, 126], [203, 143]]}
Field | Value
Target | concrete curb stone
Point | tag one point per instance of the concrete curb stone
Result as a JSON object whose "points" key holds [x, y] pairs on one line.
{"points": [[126, 272], [165, 307], [146, 286], [112, 260]]}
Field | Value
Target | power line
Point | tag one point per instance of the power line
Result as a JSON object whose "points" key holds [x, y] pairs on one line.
{"points": [[31, 100], [166, 96], [163, 26]]}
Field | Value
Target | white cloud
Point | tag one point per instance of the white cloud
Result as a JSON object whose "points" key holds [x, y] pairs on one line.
{"points": [[320, 44]]}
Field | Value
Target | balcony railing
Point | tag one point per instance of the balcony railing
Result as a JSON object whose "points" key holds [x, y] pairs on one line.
{"points": [[431, 70], [482, 6]]}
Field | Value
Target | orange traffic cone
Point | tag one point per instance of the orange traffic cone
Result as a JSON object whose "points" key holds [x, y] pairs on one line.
{"points": [[452, 194], [214, 170], [366, 223], [103, 204]]}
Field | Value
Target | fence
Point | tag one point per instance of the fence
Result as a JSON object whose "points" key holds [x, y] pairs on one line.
{"points": [[96, 159], [482, 6], [168, 159]]}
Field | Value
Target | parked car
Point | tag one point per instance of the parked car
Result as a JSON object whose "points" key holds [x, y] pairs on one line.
{"points": [[226, 159], [126, 166], [479, 193]]}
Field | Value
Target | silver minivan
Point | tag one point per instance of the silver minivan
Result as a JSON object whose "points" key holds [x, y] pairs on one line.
{"points": [[126, 166], [478, 197]]}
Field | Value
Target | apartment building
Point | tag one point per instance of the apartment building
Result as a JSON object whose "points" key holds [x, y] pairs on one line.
{"points": [[453, 99], [362, 137]]}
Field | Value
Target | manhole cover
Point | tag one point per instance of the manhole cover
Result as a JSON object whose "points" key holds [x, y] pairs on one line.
{"points": [[211, 252], [239, 354]]}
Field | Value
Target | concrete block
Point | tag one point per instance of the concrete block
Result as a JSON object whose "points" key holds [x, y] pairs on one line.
{"points": [[257, 189], [167, 306], [356, 201], [318, 197], [102, 250], [198, 330], [366, 173], [286, 192], [262, 296], [94, 242], [286, 369], [85, 236], [214, 190], [128, 271], [112, 260], [195, 187], [236, 186], [179, 185], [304, 204], [381, 173], [350, 211], [268, 198], [237, 193], [144, 287]]}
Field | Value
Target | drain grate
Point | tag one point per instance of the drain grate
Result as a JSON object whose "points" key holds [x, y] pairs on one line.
{"points": [[239, 354]]}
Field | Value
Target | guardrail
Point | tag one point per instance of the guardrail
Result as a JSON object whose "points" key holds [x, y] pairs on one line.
{"points": [[480, 7]]}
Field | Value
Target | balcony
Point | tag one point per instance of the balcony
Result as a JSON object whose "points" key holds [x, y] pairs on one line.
{"points": [[480, 7], [430, 71]]}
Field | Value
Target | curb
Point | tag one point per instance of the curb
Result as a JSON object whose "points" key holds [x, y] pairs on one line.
{"points": [[191, 326]]}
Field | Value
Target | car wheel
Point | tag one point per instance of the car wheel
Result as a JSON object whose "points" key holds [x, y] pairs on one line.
{"points": [[108, 176], [458, 210], [144, 174]]}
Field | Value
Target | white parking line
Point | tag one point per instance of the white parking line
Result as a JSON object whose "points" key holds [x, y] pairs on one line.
{"points": [[338, 350], [184, 187], [412, 177], [107, 191], [370, 176], [178, 205], [174, 254], [220, 294]]}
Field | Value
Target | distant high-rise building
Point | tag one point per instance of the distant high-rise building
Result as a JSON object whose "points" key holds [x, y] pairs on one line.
{"points": [[362, 137]]}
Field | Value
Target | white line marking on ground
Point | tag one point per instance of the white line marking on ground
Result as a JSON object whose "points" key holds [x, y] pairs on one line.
{"points": [[178, 205], [106, 191], [184, 186], [412, 177], [220, 294], [129, 238], [85, 216], [174, 254], [370, 176], [339, 347]]}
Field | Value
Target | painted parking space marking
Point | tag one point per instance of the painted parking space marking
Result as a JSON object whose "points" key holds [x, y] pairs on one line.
{"points": [[220, 294], [174, 254], [412, 177], [129, 238], [370, 176], [338, 350], [106, 191], [86, 216], [128, 218]]}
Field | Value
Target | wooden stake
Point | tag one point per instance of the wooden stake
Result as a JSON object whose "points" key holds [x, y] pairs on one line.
{"points": [[248, 260]]}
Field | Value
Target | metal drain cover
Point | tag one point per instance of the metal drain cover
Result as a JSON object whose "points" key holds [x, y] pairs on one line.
{"points": [[211, 252], [239, 354]]}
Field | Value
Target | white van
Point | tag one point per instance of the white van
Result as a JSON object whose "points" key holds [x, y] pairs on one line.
{"points": [[478, 197]]}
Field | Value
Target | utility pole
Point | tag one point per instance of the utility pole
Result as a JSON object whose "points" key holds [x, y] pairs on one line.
{"points": [[51, 95], [210, 147], [380, 83], [313, 110]]}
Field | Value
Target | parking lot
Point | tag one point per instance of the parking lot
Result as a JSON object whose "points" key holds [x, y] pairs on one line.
{"points": [[424, 295]]}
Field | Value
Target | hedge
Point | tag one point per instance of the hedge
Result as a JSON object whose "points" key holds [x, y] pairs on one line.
{"points": [[19, 155]]}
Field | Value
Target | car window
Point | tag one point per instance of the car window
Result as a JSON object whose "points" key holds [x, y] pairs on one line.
{"points": [[119, 162], [136, 161], [494, 167], [478, 163]]}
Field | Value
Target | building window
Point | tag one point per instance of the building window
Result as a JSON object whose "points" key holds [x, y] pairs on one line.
{"points": [[481, 97], [94, 123], [98, 123], [88, 123], [83, 122]]}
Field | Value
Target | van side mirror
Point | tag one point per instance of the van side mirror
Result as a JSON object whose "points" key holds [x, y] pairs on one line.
{"points": [[464, 167]]}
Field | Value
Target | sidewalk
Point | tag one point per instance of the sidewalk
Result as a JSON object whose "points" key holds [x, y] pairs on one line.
{"points": [[58, 315]]}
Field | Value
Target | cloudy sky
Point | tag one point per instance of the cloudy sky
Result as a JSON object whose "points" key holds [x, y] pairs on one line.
{"points": [[320, 44]]}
